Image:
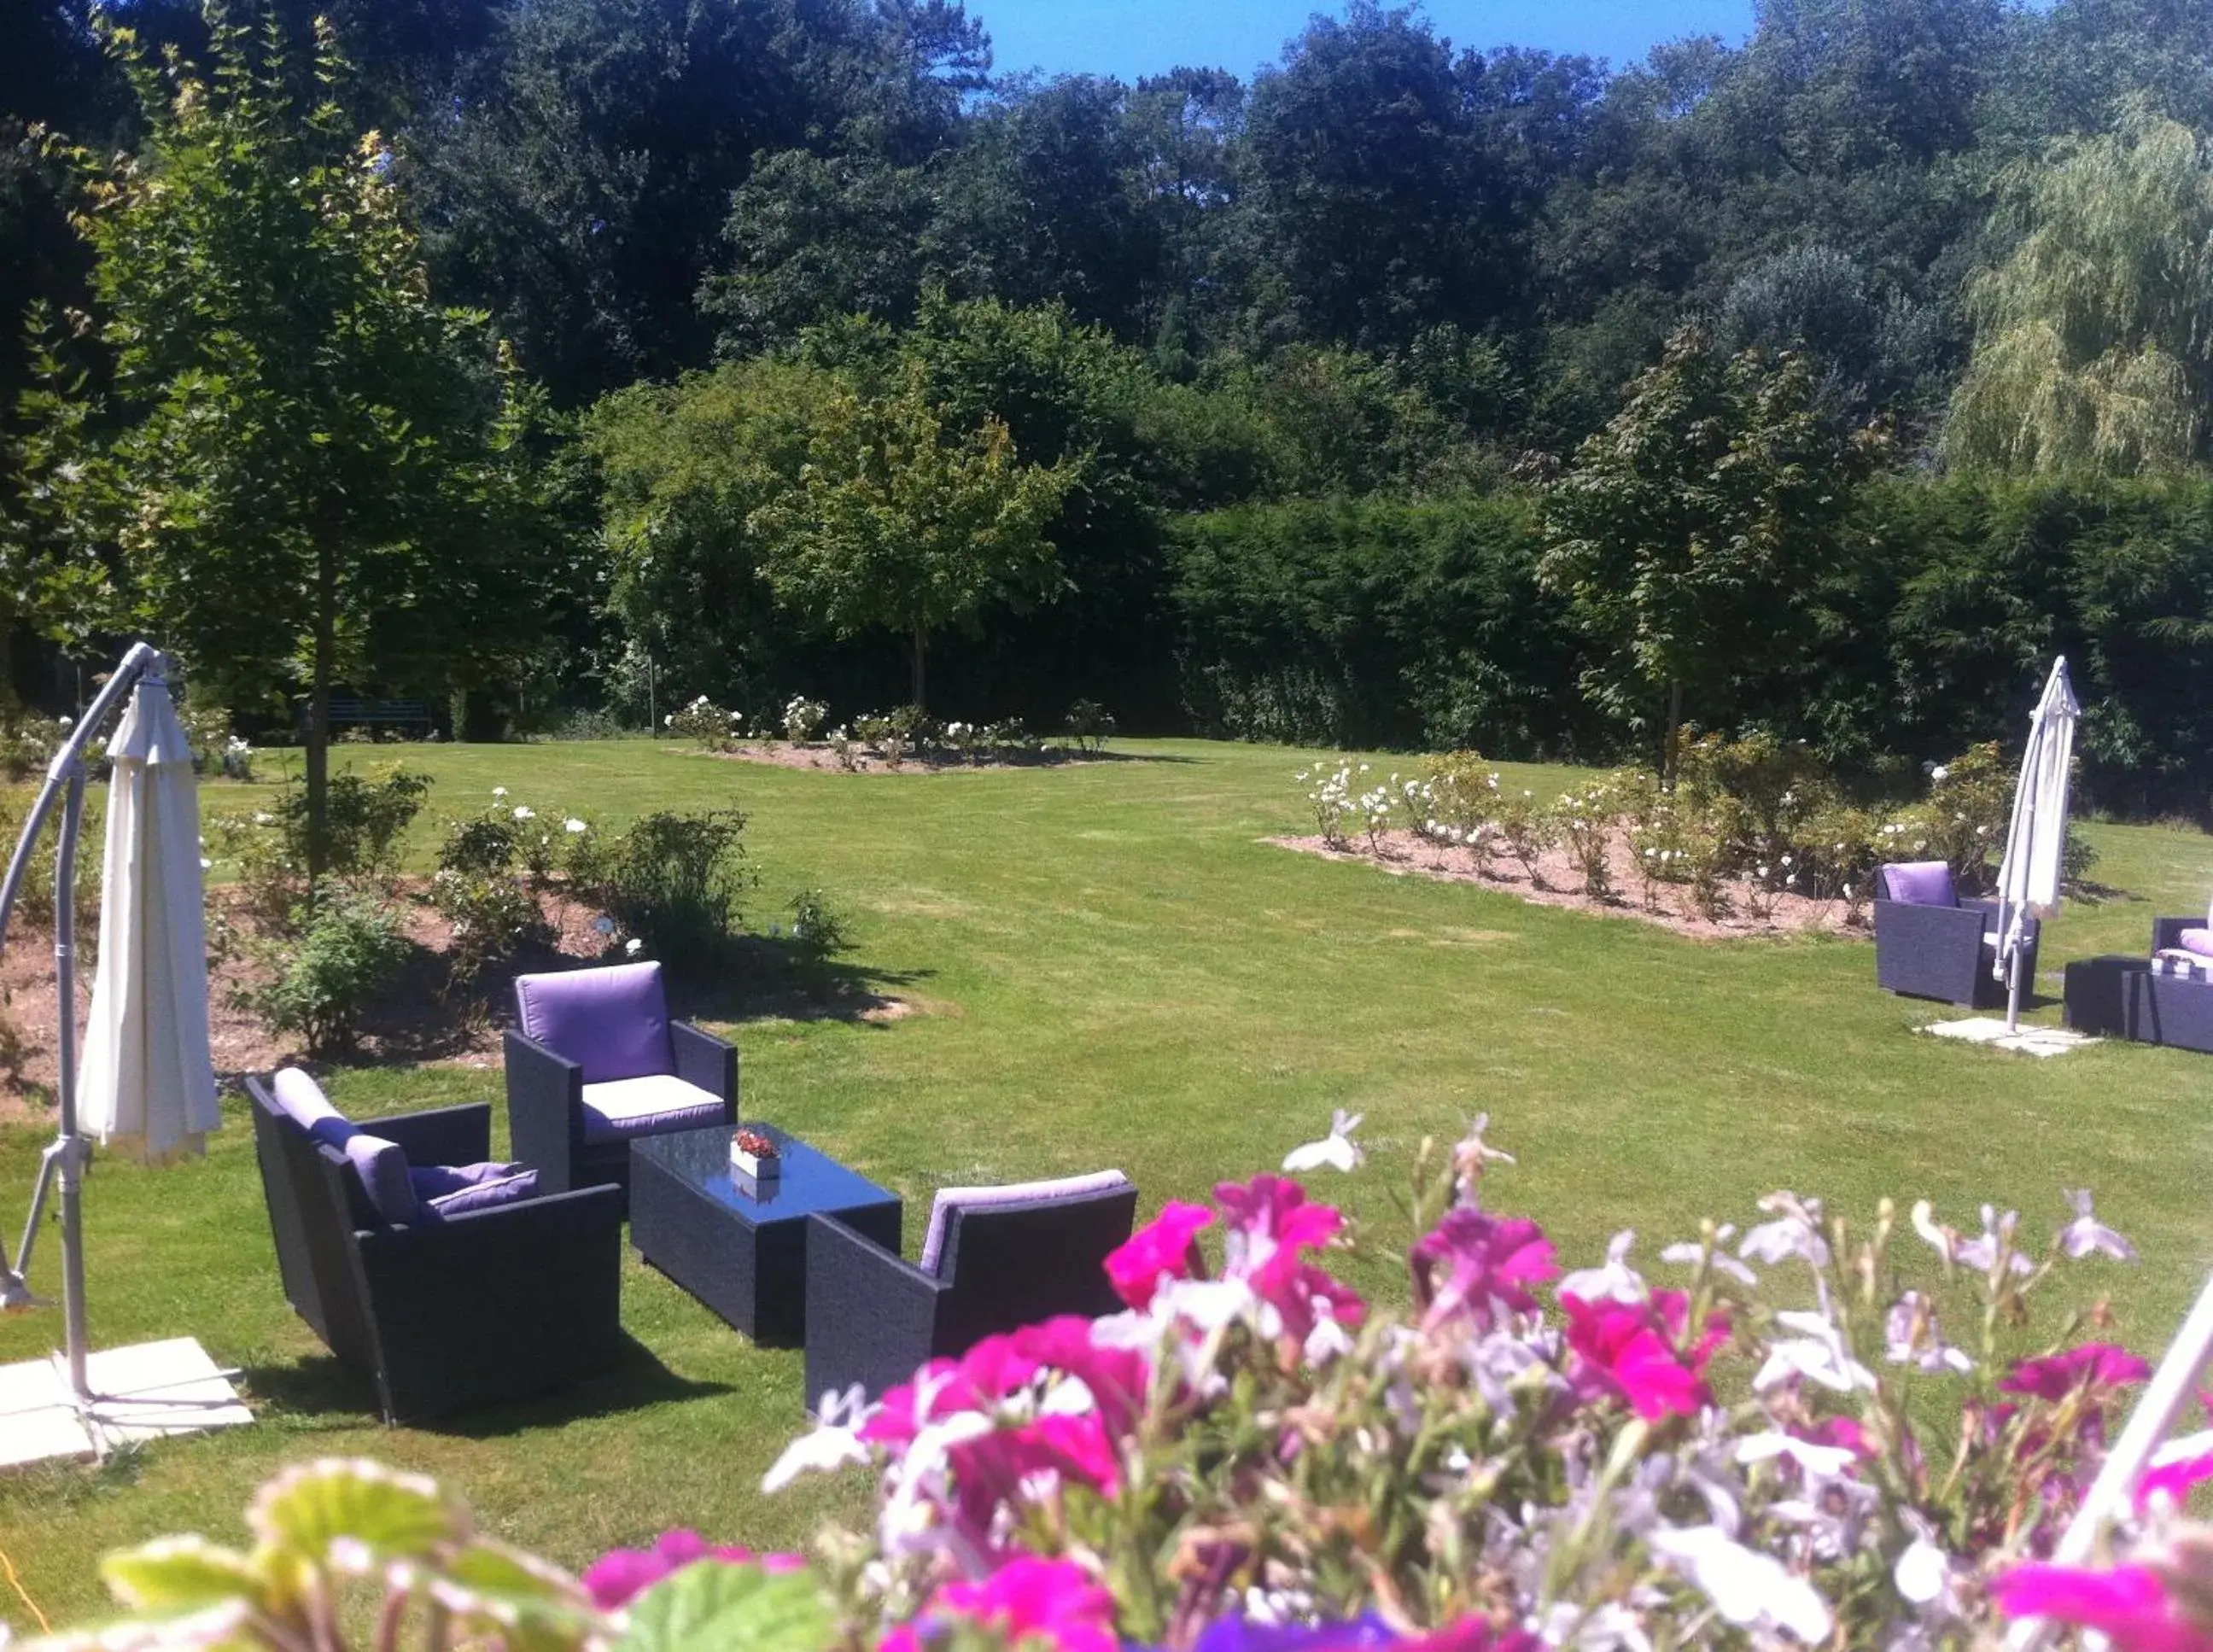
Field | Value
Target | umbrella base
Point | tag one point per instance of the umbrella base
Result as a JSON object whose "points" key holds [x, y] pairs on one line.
{"points": [[149, 1391], [2040, 1042]]}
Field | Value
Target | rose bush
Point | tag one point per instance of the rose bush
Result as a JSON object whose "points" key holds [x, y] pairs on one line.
{"points": [[1780, 1444]]}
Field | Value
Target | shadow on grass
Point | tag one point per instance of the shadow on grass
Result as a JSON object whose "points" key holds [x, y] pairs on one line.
{"points": [[758, 979], [323, 1389]]}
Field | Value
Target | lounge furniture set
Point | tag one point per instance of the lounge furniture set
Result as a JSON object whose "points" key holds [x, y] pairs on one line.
{"points": [[451, 1281], [2164, 998], [1928, 943]]}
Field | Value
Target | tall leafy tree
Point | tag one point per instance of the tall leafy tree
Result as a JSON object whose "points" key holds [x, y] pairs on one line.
{"points": [[2094, 340], [1693, 528], [904, 521], [304, 472]]}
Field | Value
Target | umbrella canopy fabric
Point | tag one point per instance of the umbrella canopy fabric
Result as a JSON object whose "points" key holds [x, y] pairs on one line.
{"points": [[2036, 839], [147, 1085]]}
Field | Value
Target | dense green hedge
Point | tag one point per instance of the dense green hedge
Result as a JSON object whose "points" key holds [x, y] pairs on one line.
{"points": [[1366, 623]]}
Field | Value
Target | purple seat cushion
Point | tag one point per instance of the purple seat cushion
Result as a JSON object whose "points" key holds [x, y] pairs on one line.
{"points": [[950, 1199], [382, 1169], [612, 1022], [434, 1182], [482, 1196], [624, 1107], [1921, 883], [2197, 941]]}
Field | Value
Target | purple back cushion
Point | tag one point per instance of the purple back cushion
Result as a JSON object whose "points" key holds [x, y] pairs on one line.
{"points": [[1921, 883], [950, 1199], [2197, 941], [382, 1169], [482, 1196], [612, 1022]]}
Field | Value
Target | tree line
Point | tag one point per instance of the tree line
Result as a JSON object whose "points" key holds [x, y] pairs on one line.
{"points": [[707, 344]]}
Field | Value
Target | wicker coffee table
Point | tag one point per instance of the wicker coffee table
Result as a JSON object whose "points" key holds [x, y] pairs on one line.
{"points": [[740, 1247]]}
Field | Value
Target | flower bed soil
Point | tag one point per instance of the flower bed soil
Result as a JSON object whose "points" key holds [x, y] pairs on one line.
{"points": [[1559, 884]]}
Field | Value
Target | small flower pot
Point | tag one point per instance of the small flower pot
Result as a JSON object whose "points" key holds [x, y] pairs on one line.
{"points": [[753, 1167]]}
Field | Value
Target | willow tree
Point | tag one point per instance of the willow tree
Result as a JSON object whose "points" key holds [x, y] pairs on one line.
{"points": [[2093, 339], [268, 447]]}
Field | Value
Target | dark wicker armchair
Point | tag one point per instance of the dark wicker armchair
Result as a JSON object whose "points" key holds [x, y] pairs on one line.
{"points": [[596, 1062], [1931, 944], [445, 1316], [995, 1259]]}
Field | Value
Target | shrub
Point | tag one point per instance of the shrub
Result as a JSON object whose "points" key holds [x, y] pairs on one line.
{"points": [[1585, 822], [1090, 725], [368, 817], [817, 932], [346, 952], [485, 844], [28, 742], [1526, 830], [34, 901], [803, 719], [591, 724], [671, 880], [492, 917], [704, 723]]}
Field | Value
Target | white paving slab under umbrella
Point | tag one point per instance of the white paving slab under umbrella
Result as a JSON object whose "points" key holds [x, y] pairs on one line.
{"points": [[148, 1391], [2041, 1041]]}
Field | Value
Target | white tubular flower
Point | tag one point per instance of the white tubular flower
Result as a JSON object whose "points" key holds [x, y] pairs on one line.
{"points": [[1336, 1150], [2086, 1236], [834, 1441], [1750, 1590]]}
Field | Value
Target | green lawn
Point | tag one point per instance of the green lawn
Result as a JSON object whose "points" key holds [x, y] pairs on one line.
{"points": [[1113, 969]]}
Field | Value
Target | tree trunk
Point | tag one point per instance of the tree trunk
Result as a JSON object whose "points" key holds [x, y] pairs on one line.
{"points": [[919, 635], [1671, 736], [318, 716]]}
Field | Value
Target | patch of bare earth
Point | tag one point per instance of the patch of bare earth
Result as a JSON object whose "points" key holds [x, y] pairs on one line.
{"points": [[426, 1016], [867, 760], [1748, 911]]}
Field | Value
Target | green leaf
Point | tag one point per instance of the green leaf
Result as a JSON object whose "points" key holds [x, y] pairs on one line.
{"points": [[308, 1510], [713, 1607], [532, 1606], [179, 1574]]}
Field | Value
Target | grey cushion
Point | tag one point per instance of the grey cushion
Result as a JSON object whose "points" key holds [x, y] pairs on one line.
{"points": [[950, 1199]]}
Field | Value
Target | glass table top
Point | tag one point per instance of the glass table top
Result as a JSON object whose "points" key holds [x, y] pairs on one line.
{"points": [[810, 1181]]}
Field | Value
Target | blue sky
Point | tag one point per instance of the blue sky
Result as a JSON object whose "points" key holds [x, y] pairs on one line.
{"points": [[1131, 38]]}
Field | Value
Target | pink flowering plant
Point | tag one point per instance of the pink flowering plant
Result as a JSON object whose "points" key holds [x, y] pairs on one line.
{"points": [[1809, 1433], [1780, 1438]]}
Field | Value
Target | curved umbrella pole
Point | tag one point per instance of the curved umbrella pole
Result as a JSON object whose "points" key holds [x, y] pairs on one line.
{"points": [[62, 1163]]}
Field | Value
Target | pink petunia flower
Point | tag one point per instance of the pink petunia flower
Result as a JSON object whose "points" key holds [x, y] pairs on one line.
{"points": [[1120, 1378], [1627, 1351], [1488, 1264], [937, 1392], [2097, 1364], [2129, 1604], [1166, 1247], [1272, 1212], [620, 1576], [2177, 1468], [1054, 1600]]}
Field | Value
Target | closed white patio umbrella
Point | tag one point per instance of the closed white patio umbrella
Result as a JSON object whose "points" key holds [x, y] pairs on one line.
{"points": [[2036, 839], [148, 1086]]}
